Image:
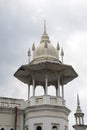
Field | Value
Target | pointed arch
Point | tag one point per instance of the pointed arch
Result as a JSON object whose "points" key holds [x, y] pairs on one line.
{"points": [[11, 129], [39, 90], [39, 128], [2, 129], [54, 127], [52, 90]]}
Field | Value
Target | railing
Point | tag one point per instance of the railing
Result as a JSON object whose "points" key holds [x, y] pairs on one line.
{"points": [[52, 100], [9, 105], [37, 100], [10, 102]]}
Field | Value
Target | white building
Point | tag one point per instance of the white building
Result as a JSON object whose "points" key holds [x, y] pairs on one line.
{"points": [[44, 112]]}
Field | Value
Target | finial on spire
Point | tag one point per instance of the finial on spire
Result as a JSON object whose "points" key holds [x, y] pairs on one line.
{"points": [[33, 46], [78, 102], [44, 26], [62, 54], [44, 36], [29, 54], [58, 49], [78, 105], [58, 46], [33, 49]]}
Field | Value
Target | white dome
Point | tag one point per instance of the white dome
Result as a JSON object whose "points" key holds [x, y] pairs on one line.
{"points": [[44, 50]]}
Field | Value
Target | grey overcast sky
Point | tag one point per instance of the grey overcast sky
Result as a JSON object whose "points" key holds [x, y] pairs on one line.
{"points": [[21, 24]]}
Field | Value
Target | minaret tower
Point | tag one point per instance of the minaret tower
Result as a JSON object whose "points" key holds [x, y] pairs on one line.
{"points": [[46, 112], [79, 117]]}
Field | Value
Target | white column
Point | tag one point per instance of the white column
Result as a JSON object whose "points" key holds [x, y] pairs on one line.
{"points": [[33, 87], [62, 91], [56, 90], [28, 91], [79, 121], [46, 85], [58, 86], [82, 121], [76, 121]]}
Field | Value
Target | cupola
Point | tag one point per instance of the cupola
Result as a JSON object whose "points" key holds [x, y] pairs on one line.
{"points": [[79, 117], [45, 50]]}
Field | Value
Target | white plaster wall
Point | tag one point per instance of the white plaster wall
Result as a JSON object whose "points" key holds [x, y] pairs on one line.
{"points": [[7, 121], [47, 122]]}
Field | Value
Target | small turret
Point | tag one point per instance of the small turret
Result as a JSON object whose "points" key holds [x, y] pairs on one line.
{"points": [[29, 55], [79, 117], [62, 55], [58, 49], [33, 49]]}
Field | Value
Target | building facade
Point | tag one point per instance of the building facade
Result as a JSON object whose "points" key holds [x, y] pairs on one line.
{"points": [[44, 111]]}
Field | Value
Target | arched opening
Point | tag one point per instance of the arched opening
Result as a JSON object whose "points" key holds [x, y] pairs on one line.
{"points": [[39, 91], [38, 128], [2, 129], [66, 128], [52, 90], [54, 128], [12, 129]]}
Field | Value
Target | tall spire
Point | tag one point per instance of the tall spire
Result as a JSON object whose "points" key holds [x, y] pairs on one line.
{"points": [[78, 102], [79, 117], [45, 37], [44, 26], [78, 105]]}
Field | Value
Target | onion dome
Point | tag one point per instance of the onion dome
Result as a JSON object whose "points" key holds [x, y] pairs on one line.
{"points": [[45, 51]]}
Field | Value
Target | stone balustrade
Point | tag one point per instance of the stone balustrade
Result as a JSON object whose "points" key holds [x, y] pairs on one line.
{"points": [[10, 102], [37, 100], [46, 99]]}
